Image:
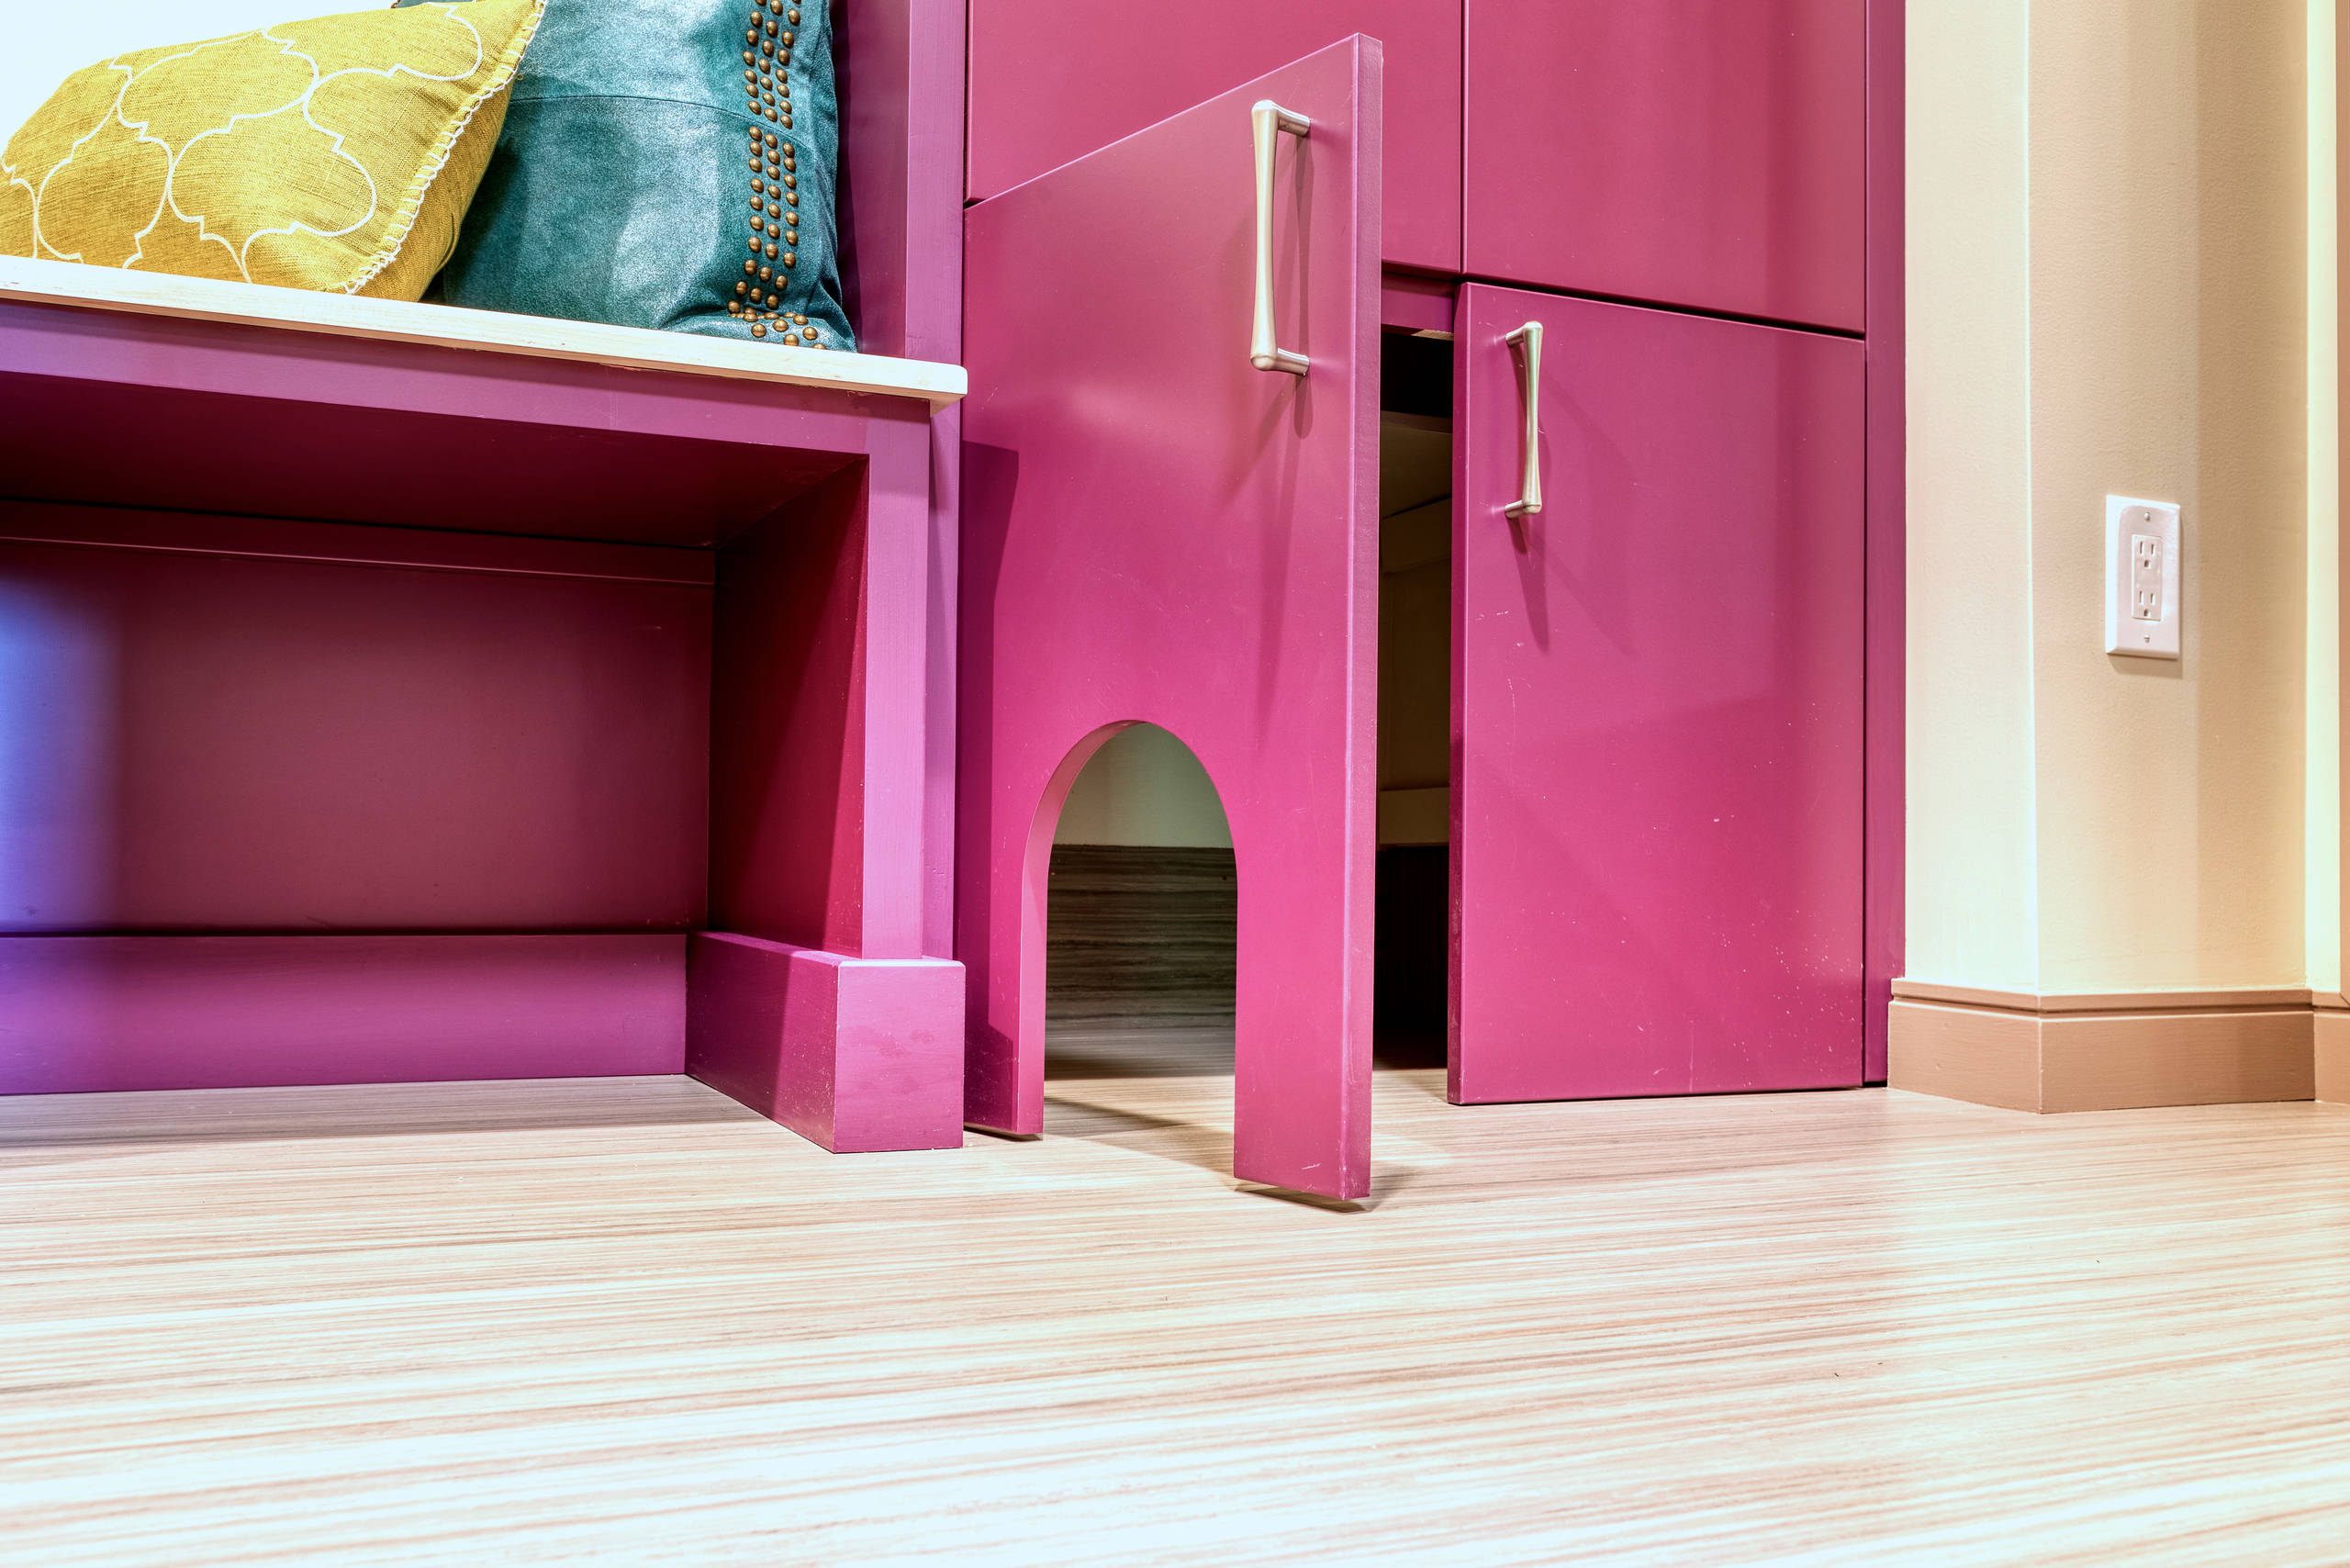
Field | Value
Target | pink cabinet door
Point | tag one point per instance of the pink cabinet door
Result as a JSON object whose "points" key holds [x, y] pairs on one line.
{"points": [[1657, 706], [1156, 530], [1052, 80], [1709, 153]]}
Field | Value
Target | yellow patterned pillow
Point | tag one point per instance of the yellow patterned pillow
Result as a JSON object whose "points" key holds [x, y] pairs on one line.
{"points": [[338, 153]]}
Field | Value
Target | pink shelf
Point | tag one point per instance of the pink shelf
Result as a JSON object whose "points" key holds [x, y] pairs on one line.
{"points": [[394, 692], [121, 390]]}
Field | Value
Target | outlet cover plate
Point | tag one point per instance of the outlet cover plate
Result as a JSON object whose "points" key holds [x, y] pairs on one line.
{"points": [[2142, 576]]}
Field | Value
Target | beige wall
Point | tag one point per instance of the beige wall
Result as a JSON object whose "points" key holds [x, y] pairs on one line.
{"points": [[1973, 901], [1143, 787], [2108, 268], [2322, 749]]}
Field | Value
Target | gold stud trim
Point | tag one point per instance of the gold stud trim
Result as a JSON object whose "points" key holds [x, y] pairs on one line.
{"points": [[774, 173]]}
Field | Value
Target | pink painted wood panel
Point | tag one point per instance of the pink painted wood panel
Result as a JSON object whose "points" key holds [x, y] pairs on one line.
{"points": [[1416, 304], [787, 834], [1658, 695], [899, 66], [85, 1013], [901, 70], [193, 741], [1709, 154], [820, 768], [1888, 572], [1155, 531], [356, 544], [941, 676], [263, 422], [854, 1055], [1052, 80], [901, 629]]}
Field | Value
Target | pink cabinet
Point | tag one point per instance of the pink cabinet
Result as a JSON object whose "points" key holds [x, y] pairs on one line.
{"points": [[1656, 859], [1155, 530], [1052, 80], [1657, 821], [1702, 153], [1706, 154], [1657, 705]]}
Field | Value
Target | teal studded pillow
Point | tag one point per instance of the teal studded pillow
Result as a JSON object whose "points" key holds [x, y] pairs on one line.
{"points": [[666, 163]]}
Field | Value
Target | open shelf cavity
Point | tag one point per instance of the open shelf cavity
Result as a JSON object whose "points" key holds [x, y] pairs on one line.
{"points": [[393, 693], [1415, 530]]}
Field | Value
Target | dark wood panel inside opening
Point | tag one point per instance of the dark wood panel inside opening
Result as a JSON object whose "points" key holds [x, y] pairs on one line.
{"points": [[1139, 960]]}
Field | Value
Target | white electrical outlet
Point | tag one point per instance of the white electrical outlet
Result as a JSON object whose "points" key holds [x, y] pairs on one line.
{"points": [[2141, 609]]}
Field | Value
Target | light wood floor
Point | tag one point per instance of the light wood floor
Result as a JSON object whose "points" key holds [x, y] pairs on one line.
{"points": [[628, 1322]]}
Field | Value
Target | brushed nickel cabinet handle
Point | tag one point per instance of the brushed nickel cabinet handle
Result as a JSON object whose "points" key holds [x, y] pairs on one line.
{"points": [[1527, 344], [1267, 119]]}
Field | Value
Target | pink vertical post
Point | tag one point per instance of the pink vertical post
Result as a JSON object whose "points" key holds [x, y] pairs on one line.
{"points": [[901, 79], [1888, 572], [815, 1003], [832, 1006]]}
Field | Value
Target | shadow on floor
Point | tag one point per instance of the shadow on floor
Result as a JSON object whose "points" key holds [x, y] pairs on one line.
{"points": [[359, 1111], [1186, 1047], [1168, 1137], [1094, 1064], [1132, 1048]]}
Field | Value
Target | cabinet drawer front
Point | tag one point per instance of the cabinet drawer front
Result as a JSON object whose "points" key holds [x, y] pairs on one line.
{"points": [[1708, 153], [1052, 80]]}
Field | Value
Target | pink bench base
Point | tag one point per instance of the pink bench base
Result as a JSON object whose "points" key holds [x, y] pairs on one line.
{"points": [[857, 1055]]}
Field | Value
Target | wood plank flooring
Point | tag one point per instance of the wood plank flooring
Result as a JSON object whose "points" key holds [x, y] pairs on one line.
{"points": [[625, 1321]]}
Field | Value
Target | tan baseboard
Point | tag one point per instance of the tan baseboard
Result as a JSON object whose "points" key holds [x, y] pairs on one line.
{"points": [[2113, 1051], [2332, 1055]]}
